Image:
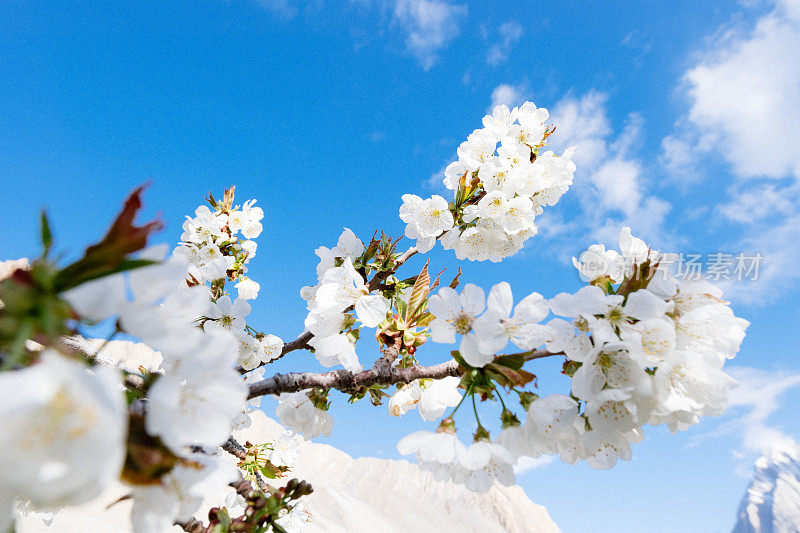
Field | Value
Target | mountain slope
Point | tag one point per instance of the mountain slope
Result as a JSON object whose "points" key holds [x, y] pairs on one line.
{"points": [[350, 495], [366, 495], [772, 501]]}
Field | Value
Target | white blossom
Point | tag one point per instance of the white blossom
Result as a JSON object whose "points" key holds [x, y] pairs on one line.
{"points": [[483, 463], [432, 396], [497, 325], [342, 287], [63, 431], [285, 449], [436, 452], [248, 289], [195, 403], [227, 315], [336, 349], [597, 262], [180, 492], [437, 395], [405, 398], [297, 412], [455, 313]]}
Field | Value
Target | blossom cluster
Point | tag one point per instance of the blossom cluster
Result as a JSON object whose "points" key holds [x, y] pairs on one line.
{"points": [[63, 407], [300, 412], [499, 321], [498, 190], [341, 290], [431, 397], [640, 346], [211, 245], [197, 393]]}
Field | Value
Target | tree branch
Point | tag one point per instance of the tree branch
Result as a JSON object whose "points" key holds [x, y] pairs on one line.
{"points": [[377, 375], [233, 447]]}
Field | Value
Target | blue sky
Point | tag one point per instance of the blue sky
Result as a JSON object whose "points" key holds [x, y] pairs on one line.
{"points": [[685, 114]]}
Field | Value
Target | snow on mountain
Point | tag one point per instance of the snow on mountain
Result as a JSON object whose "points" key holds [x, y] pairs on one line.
{"points": [[772, 501], [363, 495]]}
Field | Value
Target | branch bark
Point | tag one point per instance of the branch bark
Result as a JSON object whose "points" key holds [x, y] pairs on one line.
{"points": [[233, 447], [377, 375]]}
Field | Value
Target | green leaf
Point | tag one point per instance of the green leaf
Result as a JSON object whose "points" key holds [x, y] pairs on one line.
{"points": [[47, 236], [124, 266], [224, 518], [570, 367], [358, 395], [508, 377], [424, 319], [527, 398], [402, 308], [509, 419], [640, 278], [513, 361], [376, 395], [460, 360]]}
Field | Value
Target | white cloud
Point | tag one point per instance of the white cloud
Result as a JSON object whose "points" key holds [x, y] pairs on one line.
{"points": [[436, 182], [760, 203], [526, 463], [583, 122], [680, 157], [510, 95], [779, 268], [760, 390], [639, 43], [431, 25], [744, 104], [510, 34], [610, 178], [283, 8], [745, 92]]}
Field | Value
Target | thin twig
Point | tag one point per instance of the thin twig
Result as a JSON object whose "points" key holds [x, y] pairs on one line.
{"points": [[380, 277]]}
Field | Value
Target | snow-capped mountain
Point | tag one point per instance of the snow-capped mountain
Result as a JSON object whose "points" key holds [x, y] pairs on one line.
{"points": [[363, 495], [772, 501]]}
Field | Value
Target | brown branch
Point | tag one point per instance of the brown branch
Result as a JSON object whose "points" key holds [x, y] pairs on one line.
{"points": [[377, 375], [233, 447], [344, 380], [383, 366]]}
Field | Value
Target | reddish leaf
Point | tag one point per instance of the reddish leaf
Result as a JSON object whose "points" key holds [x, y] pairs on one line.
{"points": [[107, 256]]}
